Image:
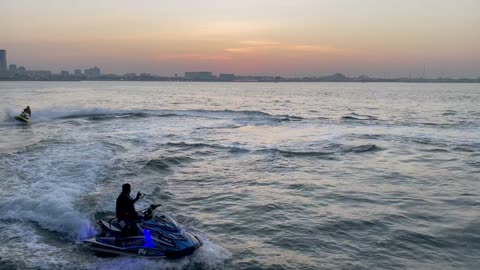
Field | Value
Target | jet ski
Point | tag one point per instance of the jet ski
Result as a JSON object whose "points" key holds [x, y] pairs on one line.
{"points": [[159, 236], [23, 117]]}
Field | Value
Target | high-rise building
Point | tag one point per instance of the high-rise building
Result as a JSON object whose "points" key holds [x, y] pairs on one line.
{"points": [[12, 68], [93, 72], [3, 60]]}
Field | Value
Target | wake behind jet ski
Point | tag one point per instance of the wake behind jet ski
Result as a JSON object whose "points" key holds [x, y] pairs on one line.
{"points": [[144, 234], [158, 236]]}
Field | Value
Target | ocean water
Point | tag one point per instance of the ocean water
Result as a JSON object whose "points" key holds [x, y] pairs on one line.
{"points": [[270, 175]]}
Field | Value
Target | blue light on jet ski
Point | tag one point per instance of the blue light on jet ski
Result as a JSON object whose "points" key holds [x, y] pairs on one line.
{"points": [[148, 238]]}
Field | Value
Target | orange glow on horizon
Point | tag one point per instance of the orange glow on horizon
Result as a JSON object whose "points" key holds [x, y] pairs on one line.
{"points": [[305, 36]]}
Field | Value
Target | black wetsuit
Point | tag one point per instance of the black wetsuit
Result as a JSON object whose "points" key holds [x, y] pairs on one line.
{"points": [[27, 111], [125, 211]]}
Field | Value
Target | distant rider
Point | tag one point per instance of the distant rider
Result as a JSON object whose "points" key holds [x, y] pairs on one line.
{"points": [[27, 111], [125, 211]]}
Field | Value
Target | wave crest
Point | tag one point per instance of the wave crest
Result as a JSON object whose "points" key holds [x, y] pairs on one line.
{"points": [[164, 164], [328, 152], [359, 117]]}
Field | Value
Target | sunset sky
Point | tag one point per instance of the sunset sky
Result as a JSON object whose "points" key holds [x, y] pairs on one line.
{"points": [[382, 38]]}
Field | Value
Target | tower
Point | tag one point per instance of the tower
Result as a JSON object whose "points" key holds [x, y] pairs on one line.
{"points": [[3, 60]]}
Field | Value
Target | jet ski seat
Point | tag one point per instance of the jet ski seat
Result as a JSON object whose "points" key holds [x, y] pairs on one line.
{"points": [[112, 225]]}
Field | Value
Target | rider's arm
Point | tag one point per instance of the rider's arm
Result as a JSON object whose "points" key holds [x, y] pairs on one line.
{"points": [[139, 194]]}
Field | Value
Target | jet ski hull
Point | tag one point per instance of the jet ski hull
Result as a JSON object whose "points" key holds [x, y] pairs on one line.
{"points": [[104, 247], [136, 247], [22, 118]]}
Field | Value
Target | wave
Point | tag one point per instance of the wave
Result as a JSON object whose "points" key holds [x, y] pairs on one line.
{"points": [[25, 249], [231, 149], [439, 124], [457, 124], [295, 118], [446, 124], [163, 164], [410, 239], [428, 141], [435, 150], [157, 164], [208, 256], [195, 145], [104, 114], [288, 153], [449, 112], [49, 213], [105, 117], [357, 149], [43, 185], [238, 150], [10, 114], [364, 148], [359, 117], [431, 124], [466, 148], [369, 136], [343, 227], [326, 153], [329, 151]]}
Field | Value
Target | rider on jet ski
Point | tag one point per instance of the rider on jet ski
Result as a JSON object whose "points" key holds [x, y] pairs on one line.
{"points": [[27, 111], [156, 236], [125, 211]]}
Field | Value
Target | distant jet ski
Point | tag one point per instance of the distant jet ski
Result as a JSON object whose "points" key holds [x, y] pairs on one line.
{"points": [[23, 117], [159, 237]]}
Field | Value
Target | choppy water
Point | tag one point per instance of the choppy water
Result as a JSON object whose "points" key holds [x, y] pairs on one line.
{"points": [[272, 176]]}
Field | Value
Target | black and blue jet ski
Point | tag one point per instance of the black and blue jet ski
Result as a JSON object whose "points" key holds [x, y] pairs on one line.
{"points": [[159, 236]]}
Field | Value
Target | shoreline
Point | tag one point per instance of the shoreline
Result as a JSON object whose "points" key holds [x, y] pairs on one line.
{"points": [[465, 81]]}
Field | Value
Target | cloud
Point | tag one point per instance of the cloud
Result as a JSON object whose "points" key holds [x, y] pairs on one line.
{"points": [[315, 48], [240, 50], [193, 57], [259, 43], [254, 46]]}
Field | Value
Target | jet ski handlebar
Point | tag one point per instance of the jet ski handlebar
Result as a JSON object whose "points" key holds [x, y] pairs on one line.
{"points": [[154, 206], [147, 213]]}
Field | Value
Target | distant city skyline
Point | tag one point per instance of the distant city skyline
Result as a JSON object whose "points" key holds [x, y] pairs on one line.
{"points": [[286, 38], [22, 73]]}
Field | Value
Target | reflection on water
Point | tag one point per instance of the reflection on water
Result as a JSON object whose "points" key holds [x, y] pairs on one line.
{"points": [[272, 176]]}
